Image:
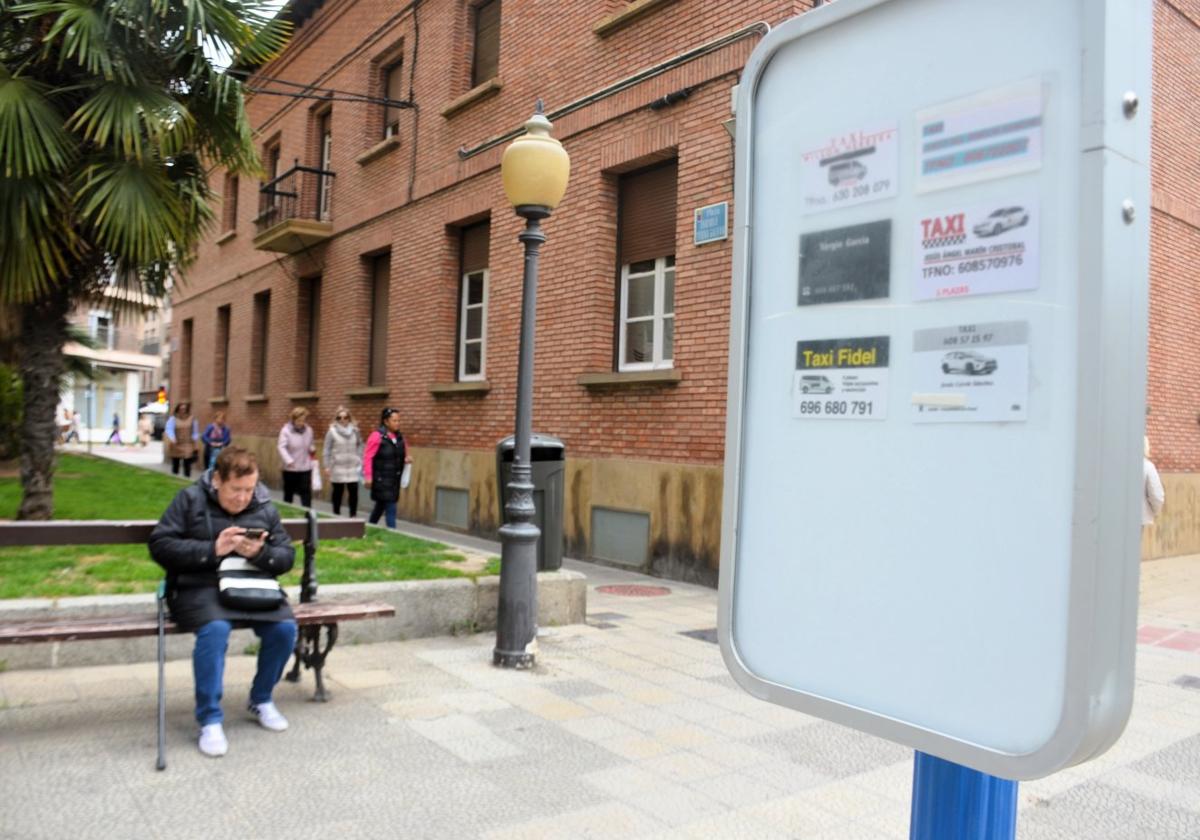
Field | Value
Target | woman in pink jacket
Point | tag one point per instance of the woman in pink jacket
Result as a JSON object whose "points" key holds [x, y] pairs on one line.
{"points": [[295, 452]]}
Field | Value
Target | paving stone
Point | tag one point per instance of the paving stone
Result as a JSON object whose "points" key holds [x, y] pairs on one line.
{"points": [[831, 749]]}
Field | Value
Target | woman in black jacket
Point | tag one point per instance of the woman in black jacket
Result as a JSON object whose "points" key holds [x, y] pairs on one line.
{"points": [[226, 514], [384, 460]]}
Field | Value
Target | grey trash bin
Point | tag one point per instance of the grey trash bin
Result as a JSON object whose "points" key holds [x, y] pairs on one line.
{"points": [[547, 456]]}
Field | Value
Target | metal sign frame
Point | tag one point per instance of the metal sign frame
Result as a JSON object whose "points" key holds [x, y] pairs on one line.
{"points": [[1113, 207]]}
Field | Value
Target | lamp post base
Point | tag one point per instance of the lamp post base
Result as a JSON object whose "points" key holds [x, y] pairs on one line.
{"points": [[510, 659]]}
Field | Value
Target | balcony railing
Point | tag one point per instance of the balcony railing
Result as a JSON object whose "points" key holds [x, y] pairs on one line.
{"points": [[293, 210]]}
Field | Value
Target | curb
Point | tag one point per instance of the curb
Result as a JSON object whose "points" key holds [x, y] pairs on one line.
{"points": [[443, 607]]}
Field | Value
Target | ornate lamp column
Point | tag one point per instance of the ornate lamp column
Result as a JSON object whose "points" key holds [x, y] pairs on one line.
{"points": [[535, 169]]}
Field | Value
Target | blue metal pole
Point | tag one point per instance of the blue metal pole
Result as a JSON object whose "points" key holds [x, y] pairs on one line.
{"points": [[952, 802]]}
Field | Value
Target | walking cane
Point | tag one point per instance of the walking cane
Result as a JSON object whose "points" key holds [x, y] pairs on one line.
{"points": [[161, 764]]}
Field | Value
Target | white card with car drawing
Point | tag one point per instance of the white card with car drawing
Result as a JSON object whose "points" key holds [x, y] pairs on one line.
{"points": [[979, 250], [971, 373], [848, 168]]}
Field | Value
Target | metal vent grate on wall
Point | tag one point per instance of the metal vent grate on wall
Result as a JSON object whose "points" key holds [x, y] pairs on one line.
{"points": [[621, 536], [451, 507]]}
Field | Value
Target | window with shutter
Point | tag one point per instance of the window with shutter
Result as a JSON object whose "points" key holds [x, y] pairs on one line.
{"points": [[259, 341], [486, 60], [473, 301], [646, 250], [381, 276], [393, 88], [229, 203], [325, 164]]}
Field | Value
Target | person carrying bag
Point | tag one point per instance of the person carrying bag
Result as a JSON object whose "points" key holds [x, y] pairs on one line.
{"points": [[223, 547]]}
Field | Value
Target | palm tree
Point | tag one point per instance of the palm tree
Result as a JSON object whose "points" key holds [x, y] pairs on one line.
{"points": [[110, 112]]}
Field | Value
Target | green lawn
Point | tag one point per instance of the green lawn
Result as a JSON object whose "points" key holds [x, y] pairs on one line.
{"points": [[93, 488]]}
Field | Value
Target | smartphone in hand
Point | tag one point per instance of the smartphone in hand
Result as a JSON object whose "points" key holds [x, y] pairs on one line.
{"points": [[254, 533]]}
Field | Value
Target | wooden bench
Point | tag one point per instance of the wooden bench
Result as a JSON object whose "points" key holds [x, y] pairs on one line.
{"points": [[311, 615]]}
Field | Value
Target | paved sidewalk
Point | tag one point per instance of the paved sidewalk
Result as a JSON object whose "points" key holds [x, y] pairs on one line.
{"points": [[628, 728]]}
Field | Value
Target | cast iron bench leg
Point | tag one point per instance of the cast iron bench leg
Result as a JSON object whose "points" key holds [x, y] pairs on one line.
{"points": [[312, 654]]}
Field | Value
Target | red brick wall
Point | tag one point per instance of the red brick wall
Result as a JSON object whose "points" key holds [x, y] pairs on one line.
{"points": [[411, 199], [549, 53], [1173, 393]]}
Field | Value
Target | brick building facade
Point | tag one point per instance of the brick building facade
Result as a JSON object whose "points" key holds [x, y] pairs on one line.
{"points": [[397, 279]]}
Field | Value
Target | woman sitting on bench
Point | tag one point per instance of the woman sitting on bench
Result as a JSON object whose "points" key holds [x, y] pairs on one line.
{"points": [[222, 545]]}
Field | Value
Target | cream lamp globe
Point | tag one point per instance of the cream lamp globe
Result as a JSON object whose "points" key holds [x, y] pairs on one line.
{"points": [[535, 166]]}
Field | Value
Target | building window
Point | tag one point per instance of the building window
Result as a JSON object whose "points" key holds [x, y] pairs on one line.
{"points": [[485, 63], [393, 88], [473, 299], [325, 164], [381, 277], [102, 330], [646, 332], [309, 322], [229, 203], [259, 341], [648, 314], [221, 350], [271, 157], [184, 369]]}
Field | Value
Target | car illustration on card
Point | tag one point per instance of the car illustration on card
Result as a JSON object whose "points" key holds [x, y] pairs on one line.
{"points": [[968, 362], [815, 384], [846, 171], [998, 221]]}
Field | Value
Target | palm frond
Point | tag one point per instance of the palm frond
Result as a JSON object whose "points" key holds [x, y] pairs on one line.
{"points": [[130, 209], [126, 116], [38, 240], [80, 32], [33, 141]]}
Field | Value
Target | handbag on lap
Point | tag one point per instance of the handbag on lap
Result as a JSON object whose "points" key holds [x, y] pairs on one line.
{"points": [[243, 586]]}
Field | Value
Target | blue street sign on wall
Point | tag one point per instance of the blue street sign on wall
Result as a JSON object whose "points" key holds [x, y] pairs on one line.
{"points": [[711, 223]]}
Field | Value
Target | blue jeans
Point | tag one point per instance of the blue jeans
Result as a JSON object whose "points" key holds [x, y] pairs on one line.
{"points": [[278, 640], [387, 509]]}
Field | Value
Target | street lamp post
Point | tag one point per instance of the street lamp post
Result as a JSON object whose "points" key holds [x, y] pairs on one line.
{"points": [[535, 169]]}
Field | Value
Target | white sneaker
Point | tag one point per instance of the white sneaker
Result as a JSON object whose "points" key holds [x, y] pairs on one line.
{"points": [[268, 716], [212, 740]]}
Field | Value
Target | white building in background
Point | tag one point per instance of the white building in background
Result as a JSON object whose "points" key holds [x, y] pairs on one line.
{"points": [[130, 333]]}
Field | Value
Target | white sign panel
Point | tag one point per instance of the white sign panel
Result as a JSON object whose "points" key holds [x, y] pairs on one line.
{"points": [[849, 167], [841, 379], [959, 574], [978, 250], [971, 373], [989, 135]]}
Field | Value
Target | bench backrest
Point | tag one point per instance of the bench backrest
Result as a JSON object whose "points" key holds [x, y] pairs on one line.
{"points": [[102, 532], [132, 532]]}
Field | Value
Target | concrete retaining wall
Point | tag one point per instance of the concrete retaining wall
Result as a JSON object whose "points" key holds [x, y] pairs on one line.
{"points": [[1177, 530], [423, 608]]}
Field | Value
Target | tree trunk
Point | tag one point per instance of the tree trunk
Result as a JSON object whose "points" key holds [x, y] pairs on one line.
{"points": [[43, 333]]}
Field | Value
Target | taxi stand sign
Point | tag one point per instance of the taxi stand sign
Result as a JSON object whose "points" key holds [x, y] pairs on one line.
{"points": [[956, 570]]}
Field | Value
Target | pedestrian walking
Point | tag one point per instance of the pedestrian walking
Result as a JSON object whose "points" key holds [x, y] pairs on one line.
{"points": [[145, 428], [295, 452], [182, 433], [215, 438], [1153, 496], [73, 429], [383, 465], [224, 528], [343, 459], [116, 430]]}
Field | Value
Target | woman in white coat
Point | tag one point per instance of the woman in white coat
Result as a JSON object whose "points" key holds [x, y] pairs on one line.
{"points": [[1152, 489], [343, 460]]}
